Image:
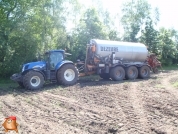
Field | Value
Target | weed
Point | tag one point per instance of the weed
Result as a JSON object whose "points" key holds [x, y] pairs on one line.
{"points": [[28, 100], [175, 84]]}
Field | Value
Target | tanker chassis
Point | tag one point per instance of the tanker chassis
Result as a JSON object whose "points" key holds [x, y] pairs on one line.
{"points": [[109, 59]]}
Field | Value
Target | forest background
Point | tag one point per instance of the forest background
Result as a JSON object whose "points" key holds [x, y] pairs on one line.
{"points": [[28, 28]]}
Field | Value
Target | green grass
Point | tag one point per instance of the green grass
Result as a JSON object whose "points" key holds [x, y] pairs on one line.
{"points": [[175, 84], [5, 80], [90, 78], [7, 83], [172, 67]]}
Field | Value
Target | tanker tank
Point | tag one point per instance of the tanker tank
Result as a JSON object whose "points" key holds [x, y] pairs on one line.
{"points": [[126, 51]]}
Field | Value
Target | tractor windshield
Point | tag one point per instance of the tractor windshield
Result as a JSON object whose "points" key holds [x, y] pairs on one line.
{"points": [[55, 58]]}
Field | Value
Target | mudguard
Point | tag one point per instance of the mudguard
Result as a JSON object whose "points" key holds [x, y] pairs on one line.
{"points": [[60, 64]]}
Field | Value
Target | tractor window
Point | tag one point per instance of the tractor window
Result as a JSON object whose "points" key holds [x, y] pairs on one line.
{"points": [[55, 58]]}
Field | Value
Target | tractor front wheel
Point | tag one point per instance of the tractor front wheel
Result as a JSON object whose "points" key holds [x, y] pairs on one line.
{"points": [[33, 80]]}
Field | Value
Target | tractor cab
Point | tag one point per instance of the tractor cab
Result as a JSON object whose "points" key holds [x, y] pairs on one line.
{"points": [[53, 58]]}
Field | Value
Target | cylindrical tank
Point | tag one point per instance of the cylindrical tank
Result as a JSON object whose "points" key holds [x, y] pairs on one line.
{"points": [[127, 51]]}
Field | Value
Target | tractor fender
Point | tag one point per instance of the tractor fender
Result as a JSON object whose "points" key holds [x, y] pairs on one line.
{"points": [[60, 64]]}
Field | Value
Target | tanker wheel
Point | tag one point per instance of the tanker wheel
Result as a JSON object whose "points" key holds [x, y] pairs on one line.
{"points": [[131, 73], [117, 73], [105, 76], [155, 70], [144, 72], [33, 80], [67, 75]]}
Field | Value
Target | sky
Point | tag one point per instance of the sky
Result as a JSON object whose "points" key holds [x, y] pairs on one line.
{"points": [[168, 10]]}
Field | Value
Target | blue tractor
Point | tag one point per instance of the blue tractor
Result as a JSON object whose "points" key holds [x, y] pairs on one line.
{"points": [[52, 68]]}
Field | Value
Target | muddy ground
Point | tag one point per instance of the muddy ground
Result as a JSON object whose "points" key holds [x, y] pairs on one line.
{"points": [[96, 106]]}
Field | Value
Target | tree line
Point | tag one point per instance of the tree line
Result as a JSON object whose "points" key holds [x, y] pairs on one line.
{"points": [[29, 28]]}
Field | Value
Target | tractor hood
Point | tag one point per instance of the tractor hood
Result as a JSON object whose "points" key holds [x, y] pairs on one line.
{"points": [[39, 65]]}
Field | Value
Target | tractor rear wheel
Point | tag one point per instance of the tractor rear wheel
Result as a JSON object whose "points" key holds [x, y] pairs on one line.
{"points": [[33, 80], [144, 72], [117, 73], [67, 75], [131, 73]]}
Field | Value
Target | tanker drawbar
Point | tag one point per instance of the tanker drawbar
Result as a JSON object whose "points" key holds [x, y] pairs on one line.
{"points": [[117, 60]]}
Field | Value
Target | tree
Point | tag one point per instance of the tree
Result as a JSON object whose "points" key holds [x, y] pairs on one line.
{"points": [[149, 37], [134, 15], [89, 27], [27, 28], [168, 53]]}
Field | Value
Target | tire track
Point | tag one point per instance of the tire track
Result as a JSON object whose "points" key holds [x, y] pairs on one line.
{"points": [[38, 122]]}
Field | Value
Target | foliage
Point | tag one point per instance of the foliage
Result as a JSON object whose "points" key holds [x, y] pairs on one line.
{"points": [[149, 37], [29, 27], [89, 27], [134, 15], [168, 47]]}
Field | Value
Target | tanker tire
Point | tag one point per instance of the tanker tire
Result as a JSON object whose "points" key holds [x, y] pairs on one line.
{"points": [[117, 73], [33, 80], [21, 84], [131, 73], [67, 75], [105, 76], [144, 72]]}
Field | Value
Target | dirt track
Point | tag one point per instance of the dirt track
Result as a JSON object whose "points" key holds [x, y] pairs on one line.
{"points": [[91, 106]]}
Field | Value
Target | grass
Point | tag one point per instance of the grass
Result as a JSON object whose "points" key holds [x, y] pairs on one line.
{"points": [[175, 84], [172, 67], [159, 86], [6, 83]]}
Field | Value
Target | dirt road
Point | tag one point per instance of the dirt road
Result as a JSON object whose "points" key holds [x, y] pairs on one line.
{"points": [[97, 107]]}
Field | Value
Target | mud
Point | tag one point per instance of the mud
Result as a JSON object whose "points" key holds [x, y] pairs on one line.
{"points": [[96, 106]]}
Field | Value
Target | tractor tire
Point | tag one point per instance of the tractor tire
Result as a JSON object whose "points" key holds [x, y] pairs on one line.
{"points": [[105, 76], [67, 75], [144, 72], [117, 73], [21, 84], [131, 73], [33, 80]]}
